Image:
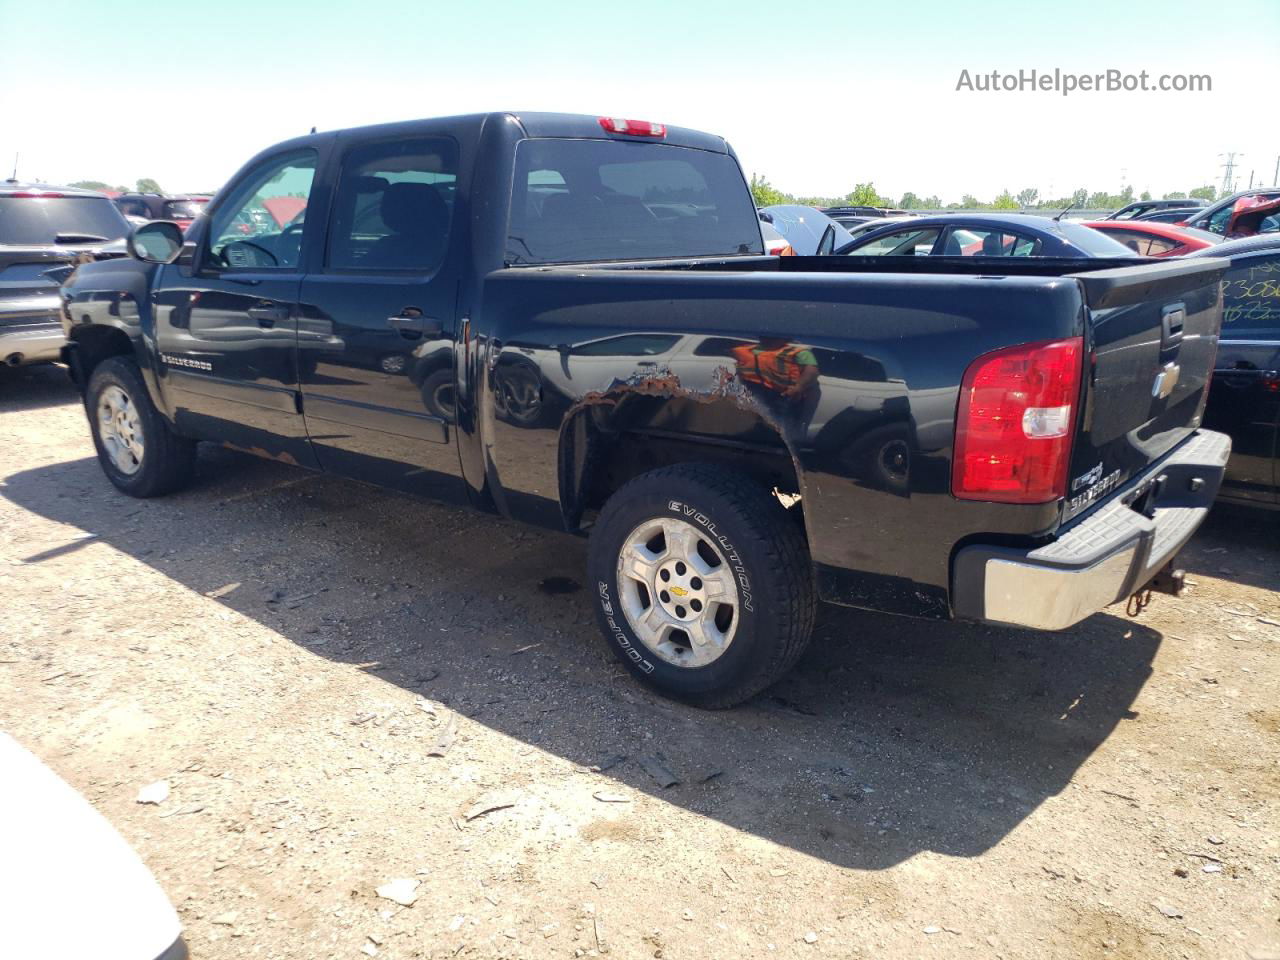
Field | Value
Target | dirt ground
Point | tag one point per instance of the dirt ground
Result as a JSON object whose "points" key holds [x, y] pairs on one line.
{"points": [[287, 651]]}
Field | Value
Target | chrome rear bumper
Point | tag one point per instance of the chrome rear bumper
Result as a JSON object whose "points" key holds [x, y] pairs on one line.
{"points": [[1111, 554]]}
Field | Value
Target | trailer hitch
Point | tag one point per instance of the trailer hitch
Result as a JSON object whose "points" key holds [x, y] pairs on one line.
{"points": [[1171, 579]]}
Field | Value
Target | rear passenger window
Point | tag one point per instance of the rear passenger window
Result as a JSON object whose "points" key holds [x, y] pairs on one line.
{"points": [[394, 206], [1251, 300], [976, 242], [628, 345], [904, 243], [1147, 246]]}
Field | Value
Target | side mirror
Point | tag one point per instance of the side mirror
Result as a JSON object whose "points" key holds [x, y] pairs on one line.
{"points": [[827, 245], [159, 241]]}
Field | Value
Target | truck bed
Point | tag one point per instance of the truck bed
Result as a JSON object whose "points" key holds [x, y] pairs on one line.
{"points": [[892, 348]]}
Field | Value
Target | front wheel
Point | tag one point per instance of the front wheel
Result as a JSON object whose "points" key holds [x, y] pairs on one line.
{"points": [[138, 451], [704, 587]]}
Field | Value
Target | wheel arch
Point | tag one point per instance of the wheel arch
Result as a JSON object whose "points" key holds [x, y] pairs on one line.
{"points": [[608, 439]]}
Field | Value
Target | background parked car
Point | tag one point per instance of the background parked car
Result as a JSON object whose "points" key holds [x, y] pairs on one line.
{"points": [[45, 230], [1155, 239], [850, 222], [1179, 215], [1241, 214], [155, 206], [1140, 208], [985, 235], [860, 211], [858, 226], [803, 226], [1244, 395]]}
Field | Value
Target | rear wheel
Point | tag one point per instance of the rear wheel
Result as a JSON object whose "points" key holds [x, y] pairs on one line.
{"points": [[138, 451], [704, 588]]}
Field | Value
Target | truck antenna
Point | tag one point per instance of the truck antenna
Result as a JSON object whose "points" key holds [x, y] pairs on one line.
{"points": [[14, 178], [1064, 211]]}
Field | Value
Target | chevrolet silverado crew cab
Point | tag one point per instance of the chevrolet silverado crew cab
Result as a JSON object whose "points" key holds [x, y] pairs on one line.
{"points": [[571, 321]]}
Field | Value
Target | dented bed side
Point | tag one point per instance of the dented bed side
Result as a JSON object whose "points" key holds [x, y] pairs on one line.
{"points": [[621, 375]]}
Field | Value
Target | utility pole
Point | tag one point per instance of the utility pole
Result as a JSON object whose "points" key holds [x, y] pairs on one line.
{"points": [[1228, 171], [1250, 186]]}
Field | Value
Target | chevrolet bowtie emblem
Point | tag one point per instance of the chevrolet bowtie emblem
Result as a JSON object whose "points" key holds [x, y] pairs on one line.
{"points": [[1165, 381], [680, 591]]}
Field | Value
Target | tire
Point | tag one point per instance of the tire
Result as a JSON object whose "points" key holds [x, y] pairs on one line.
{"points": [[138, 451], [437, 395], [760, 553], [517, 394]]}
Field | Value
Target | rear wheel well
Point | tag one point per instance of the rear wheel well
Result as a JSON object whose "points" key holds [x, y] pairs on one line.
{"points": [[604, 446], [95, 344]]}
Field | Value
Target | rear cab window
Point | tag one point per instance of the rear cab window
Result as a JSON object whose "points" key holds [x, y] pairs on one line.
{"points": [[579, 201], [46, 221]]}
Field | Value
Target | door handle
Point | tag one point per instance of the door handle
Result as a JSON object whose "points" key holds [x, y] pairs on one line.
{"points": [[268, 316], [412, 324], [1242, 376]]}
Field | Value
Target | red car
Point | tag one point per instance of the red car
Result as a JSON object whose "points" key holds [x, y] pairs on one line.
{"points": [[1153, 239]]}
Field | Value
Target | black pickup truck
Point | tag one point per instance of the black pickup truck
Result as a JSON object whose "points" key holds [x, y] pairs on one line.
{"points": [[571, 321]]}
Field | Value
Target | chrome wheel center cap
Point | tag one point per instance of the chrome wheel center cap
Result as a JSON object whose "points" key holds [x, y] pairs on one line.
{"points": [[680, 591]]}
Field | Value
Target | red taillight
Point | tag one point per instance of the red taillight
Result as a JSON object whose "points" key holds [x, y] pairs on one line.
{"points": [[1015, 423], [634, 128]]}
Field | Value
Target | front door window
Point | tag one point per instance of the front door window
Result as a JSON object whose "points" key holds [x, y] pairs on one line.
{"points": [[260, 227]]}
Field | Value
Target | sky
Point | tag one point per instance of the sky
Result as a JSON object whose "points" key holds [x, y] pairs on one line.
{"points": [[816, 96]]}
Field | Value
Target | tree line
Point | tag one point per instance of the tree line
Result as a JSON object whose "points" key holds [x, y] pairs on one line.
{"points": [[866, 195], [145, 185]]}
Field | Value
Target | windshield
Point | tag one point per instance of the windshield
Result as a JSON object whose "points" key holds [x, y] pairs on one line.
{"points": [[41, 220], [585, 200], [183, 209]]}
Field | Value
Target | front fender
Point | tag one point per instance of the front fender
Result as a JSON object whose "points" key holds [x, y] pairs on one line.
{"points": [[104, 300]]}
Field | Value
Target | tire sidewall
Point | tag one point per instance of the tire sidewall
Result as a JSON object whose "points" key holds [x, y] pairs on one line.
{"points": [[721, 524], [125, 375]]}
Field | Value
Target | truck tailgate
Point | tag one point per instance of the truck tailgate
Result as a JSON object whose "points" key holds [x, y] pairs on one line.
{"points": [[1151, 336]]}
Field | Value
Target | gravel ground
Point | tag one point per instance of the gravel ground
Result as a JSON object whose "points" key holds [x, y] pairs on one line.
{"points": [[288, 652]]}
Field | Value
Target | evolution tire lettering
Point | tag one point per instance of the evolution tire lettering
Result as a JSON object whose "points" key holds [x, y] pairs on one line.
{"points": [[619, 635], [730, 552]]}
